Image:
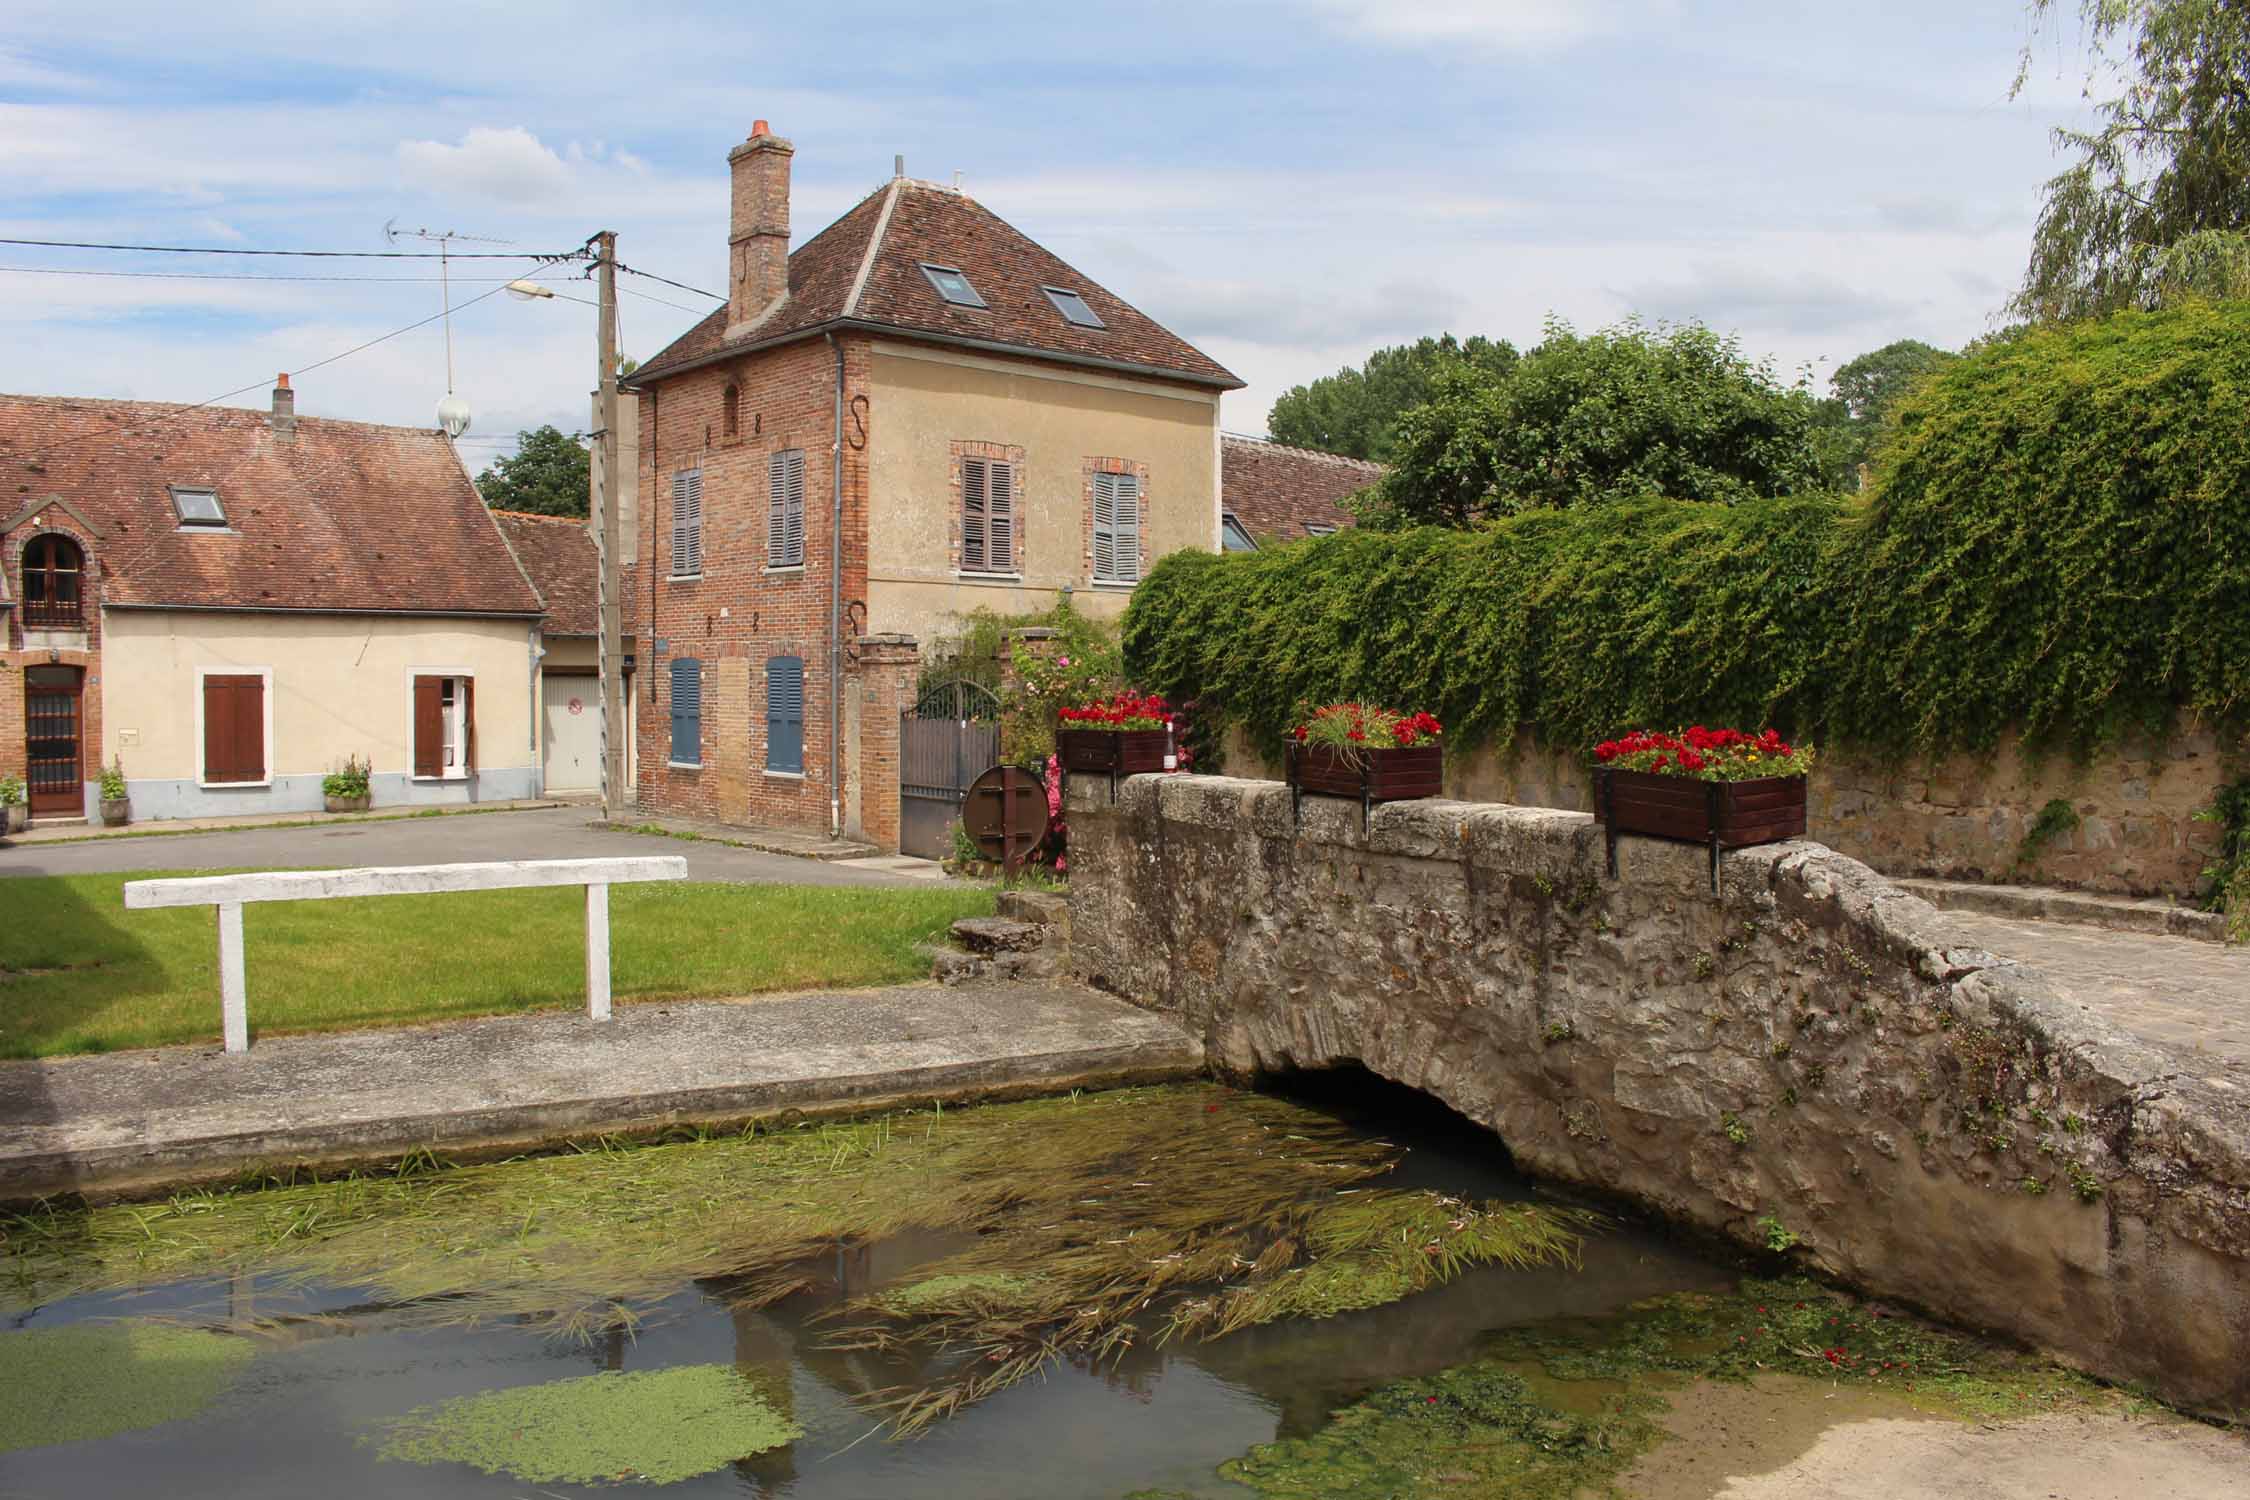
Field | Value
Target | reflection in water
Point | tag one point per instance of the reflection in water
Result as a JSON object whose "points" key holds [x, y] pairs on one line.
{"points": [[333, 1368]]}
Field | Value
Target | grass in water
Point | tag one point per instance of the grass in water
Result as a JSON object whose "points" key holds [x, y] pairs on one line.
{"points": [[79, 973], [1507, 1425], [1191, 1210], [92, 1380], [659, 1426]]}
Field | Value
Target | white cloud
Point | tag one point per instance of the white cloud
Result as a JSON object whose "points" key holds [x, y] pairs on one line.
{"points": [[1514, 26], [510, 166]]}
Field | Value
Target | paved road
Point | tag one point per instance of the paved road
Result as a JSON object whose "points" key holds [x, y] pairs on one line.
{"points": [[2192, 994], [546, 833]]}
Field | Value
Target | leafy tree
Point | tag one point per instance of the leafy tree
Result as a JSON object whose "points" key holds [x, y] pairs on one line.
{"points": [[2157, 206], [1629, 411], [1849, 428], [1354, 412], [548, 474]]}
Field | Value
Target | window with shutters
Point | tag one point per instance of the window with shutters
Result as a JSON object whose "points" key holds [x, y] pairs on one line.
{"points": [[233, 714], [445, 726], [687, 711], [988, 516], [687, 523], [785, 509], [1117, 528], [785, 715]]}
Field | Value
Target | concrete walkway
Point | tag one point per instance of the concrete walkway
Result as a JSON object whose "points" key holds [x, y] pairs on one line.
{"points": [[129, 1121], [79, 830]]}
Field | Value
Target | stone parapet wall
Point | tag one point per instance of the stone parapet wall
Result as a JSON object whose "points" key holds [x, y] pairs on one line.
{"points": [[1805, 1050], [1960, 818]]}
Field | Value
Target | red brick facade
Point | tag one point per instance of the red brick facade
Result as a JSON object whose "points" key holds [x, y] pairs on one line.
{"points": [[738, 613], [45, 647]]}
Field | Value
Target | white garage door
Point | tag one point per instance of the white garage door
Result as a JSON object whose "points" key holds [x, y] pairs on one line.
{"points": [[573, 734]]}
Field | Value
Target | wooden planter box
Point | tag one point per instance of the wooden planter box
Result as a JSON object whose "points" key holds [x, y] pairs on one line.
{"points": [[1716, 814], [1367, 776], [1112, 752]]}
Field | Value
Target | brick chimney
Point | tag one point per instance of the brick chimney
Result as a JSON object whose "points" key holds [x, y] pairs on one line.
{"points": [[284, 408], [758, 240]]}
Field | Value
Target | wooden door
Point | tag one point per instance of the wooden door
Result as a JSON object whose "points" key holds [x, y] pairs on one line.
{"points": [[53, 721]]}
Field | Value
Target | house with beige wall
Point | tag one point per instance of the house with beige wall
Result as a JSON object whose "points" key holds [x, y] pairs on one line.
{"points": [[918, 413], [230, 603]]}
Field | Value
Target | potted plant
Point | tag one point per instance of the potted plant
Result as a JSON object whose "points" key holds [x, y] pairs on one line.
{"points": [[1369, 753], [117, 808], [346, 790], [15, 813], [1121, 735], [1718, 787]]}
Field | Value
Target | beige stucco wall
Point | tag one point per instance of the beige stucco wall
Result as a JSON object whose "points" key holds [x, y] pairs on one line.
{"points": [[339, 685], [925, 400]]}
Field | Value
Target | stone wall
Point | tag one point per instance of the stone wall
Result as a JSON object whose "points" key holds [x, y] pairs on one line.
{"points": [[1803, 1050], [1962, 818]]}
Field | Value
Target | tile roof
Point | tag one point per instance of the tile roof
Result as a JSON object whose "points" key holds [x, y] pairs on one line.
{"points": [[865, 269], [346, 516], [1274, 490], [558, 553]]}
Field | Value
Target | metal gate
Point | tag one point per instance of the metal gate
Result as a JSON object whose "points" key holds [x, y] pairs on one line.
{"points": [[52, 721], [949, 736]]}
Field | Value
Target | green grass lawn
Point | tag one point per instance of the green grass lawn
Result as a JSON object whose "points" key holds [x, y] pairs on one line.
{"points": [[79, 973]]}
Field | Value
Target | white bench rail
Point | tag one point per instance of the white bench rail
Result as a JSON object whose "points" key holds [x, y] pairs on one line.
{"points": [[229, 893]]}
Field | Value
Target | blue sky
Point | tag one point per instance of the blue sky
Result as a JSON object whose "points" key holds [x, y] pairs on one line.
{"points": [[1288, 183]]}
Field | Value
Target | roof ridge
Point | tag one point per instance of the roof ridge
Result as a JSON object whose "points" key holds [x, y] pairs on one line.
{"points": [[535, 515], [216, 409], [874, 247], [1320, 453]]}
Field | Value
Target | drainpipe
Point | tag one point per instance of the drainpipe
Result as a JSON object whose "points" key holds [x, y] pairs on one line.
{"points": [[531, 686], [836, 608]]}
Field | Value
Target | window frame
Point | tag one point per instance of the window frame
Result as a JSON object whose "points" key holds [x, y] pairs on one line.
{"points": [[783, 489], [1320, 528], [688, 479], [203, 778], [796, 772], [463, 718], [672, 713], [932, 271], [179, 492], [44, 613], [1118, 576], [1230, 525], [1062, 297], [1007, 566]]}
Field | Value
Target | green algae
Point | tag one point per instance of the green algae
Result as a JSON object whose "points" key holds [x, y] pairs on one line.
{"points": [[655, 1426], [1184, 1211], [1560, 1410], [94, 1380]]}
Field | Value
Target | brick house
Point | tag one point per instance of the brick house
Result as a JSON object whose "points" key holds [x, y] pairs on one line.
{"points": [[919, 413], [1276, 493], [231, 602]]}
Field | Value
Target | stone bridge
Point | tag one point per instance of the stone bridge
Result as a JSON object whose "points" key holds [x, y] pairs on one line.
{"points": [[1809, 1052]]}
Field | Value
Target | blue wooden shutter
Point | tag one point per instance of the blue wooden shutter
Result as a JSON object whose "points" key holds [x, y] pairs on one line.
{"points": [[785, 714], [687, 711], [687, 523], [785, 509]]}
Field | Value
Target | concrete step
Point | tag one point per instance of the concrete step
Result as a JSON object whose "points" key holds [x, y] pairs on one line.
{"points": [[1041, 908], [2086, 908], [987, 936]]}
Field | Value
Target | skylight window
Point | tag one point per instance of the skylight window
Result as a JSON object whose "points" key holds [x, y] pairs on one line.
{"points": [[1234, 536], [198, 506], [1073, 307], [952, 285]]}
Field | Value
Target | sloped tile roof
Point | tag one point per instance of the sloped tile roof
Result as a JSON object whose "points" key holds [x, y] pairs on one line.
{"points": [[1275, 490], [345, 516], [558, 553], [866, 268]]}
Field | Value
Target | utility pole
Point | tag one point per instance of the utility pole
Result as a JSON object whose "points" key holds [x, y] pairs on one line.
{"points": [[609, 654]]}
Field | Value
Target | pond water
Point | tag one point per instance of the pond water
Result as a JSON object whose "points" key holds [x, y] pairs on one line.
{"points": [[336, 1363]]}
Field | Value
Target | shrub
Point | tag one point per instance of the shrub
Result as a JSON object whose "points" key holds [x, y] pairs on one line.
{"points": [[351, 781], [11, 791], [113, 780]]}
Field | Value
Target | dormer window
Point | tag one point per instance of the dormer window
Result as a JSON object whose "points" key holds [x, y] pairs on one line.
{"points": [[198, 506], [952, 285], [1073, 307]]}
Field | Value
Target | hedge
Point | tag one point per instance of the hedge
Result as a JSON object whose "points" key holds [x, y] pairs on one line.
{"points": [[2058, 540]]}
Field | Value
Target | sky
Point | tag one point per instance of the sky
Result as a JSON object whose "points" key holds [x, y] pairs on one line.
{"points": [[1289, 184]]}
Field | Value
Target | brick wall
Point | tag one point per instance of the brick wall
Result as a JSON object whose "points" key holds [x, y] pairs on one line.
{"points": [[886, 670], [16, 654], [740, 613]]}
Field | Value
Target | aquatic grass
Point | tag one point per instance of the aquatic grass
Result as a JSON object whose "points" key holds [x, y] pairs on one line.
{"points": [[1097, 1217], [656, 1426], [93, 1380]]}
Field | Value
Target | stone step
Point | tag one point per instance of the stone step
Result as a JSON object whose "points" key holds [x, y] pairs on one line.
{"points": [[1042, 908], [2086, 908], [994, 935]]}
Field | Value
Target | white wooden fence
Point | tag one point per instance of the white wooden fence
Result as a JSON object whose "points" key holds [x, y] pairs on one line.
{"points": [[229, 893]]}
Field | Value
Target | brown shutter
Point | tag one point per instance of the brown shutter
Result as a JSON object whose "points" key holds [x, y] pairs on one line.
{"points": [[469, 723], [429, 728], [234, 728]]}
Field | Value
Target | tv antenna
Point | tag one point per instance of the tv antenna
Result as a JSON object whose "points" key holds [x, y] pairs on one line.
{"points": [[453, 412]]}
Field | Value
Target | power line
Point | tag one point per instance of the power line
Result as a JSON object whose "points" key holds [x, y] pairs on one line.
{"points": [[224, 275], [659, 301], [325, 254], [651, 275]]}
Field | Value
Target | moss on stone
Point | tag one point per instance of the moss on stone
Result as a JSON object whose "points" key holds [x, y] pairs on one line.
{"points": [[92, 1380], [960, 1290], [656, 1426]]}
